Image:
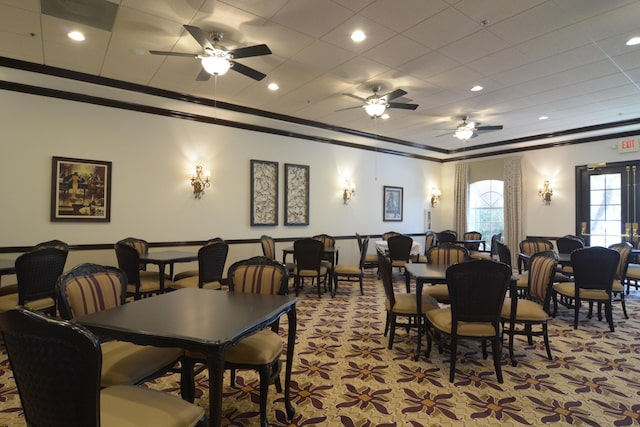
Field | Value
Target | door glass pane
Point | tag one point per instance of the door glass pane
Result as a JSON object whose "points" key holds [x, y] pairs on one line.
{"points": [[605, 209]]}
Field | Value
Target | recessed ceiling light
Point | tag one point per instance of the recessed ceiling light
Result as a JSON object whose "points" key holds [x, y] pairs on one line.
{"points": [[358, 36], [633, 41], [476, 88], [273, 86], [76, 35], [543, 117]]}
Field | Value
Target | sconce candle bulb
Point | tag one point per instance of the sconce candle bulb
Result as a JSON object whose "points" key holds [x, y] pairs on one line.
{"points": [[545, 192], [349, 192], [199, 181]]}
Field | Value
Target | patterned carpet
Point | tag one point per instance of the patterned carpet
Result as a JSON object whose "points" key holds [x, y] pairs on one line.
{"points": [[345, 376]]}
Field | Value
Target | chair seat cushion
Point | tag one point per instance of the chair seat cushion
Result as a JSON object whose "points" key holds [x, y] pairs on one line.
{"points": [[185, 274], [149, 282], [439, 292], [7, 302], [192, 282], [347, 269], [441, 320], [130, 406], [633, 271], [481, 255], [526, 311], [128, 363], [398, 263], [617, 286], [310, 273], [406, 304], [371, 258], [568, 289], [258, 349]]}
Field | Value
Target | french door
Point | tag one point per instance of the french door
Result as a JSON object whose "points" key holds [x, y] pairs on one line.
{"points": [[607, 202]]}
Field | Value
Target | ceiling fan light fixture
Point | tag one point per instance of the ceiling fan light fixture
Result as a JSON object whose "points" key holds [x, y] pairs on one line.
{"points": [[465, 131], [375, 107], [217, 63]]}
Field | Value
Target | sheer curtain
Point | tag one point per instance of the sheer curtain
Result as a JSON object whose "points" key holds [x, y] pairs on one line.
{"points": [[460, 194], [513, 206]]}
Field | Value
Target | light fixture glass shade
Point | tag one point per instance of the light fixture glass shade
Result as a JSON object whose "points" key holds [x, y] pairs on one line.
{"points": [[463, 134], [375, 107], [215, 65]]}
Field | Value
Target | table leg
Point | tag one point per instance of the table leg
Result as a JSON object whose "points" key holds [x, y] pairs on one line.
{"points": [[215, 361], [291, 341], [419, 285], [161, 268]]}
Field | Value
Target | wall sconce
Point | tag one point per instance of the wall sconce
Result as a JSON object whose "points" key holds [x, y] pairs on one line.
{"points": [[199, 181], [545, 192], [435, 196], [349, 192]]}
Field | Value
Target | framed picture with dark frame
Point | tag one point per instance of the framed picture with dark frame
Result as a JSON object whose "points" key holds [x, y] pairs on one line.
{"points": [[80, 190], [264, 192], [296, 197], [392, 203]]}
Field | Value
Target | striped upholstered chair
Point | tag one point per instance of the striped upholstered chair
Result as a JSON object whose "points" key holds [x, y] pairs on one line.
{"points": [[89, 288], [444, 254]]}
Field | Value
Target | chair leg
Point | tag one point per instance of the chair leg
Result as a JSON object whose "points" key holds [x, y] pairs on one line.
{"points": [[264, 391], [428, 333], [497, 355], [386, 325], [362, 293], [232, 377], [576, 310], [392, 330], [512, 355], [484, 350], [454, 354], [624, 305], [608, 312], [545, 334]]}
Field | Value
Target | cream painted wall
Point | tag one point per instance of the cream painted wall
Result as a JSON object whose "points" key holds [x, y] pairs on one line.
{"points": [[151, 195], [554, 164]]}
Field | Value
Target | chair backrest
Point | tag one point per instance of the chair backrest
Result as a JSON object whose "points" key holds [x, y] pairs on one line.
{"points": [[329, 242], [308, 254], [494, 248], [388, 234], [258, 275], [533, 244], [89, 288], [211, 259], [141, 246], [384, 267], [37, 273], [594, 267], [400, 247], [567, 244], [56, 366], [58, 244], [504, 253], [268, 246], [476, 291], [364, 247], [472, 235], [446, 236], [624, 249], [129, 262], [430, 240], [359, 239], [542, 270], [447, 253]]}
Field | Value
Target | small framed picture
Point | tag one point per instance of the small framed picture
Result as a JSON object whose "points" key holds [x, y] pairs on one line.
{"points": [[80, 190], [264, 192], [296, 194], [392, 204]]}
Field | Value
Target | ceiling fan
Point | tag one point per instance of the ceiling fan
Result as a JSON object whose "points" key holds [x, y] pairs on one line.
{"points": [[469, 129], [216, 60], [375, 105]]}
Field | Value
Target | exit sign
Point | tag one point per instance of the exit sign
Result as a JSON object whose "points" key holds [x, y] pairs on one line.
{"points": [[628, 145]]}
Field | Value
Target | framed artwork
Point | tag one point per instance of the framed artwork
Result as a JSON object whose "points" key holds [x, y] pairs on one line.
{"points": [[392, 204], [296, 197], [264, 192], [80, 190]]}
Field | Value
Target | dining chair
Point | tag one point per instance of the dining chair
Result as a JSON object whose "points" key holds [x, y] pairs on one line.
{"points": [[194, 272], [399, 250], [594, 270], [446, 236], [400, 304], [530, 246], [211, 259], [444, 254], [140, 283], [328, 259], [308, 258], [370, 260], [476, 291], [37, 272], [633, 275], [567, 244], [520, 314], [490, 253], [385, 236], [89, 288], [262, 351], [351, 272], [430, 240], [56, 365], [269, 250], [140, 245], [472, 235], [522, 279], [624, 249]]}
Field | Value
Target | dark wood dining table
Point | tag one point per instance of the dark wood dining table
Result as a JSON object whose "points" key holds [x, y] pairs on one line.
{"points": [[202, 321], [162, 259], [471, 242]]}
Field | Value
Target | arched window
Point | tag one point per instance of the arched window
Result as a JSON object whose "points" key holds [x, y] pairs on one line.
{"points": [[486, 208]]}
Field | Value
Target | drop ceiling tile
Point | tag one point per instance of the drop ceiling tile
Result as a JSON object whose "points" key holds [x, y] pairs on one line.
{"points": [[264, 9], [311, 17], [474, 46], [494, 10], [428, 65], [341, 35], [396, 51], [402, 17], [438, 31], [499, 62]]}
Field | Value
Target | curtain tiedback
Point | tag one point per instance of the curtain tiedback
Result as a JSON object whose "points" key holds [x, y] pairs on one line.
{"points": [[513, 204], [460, 194]]}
